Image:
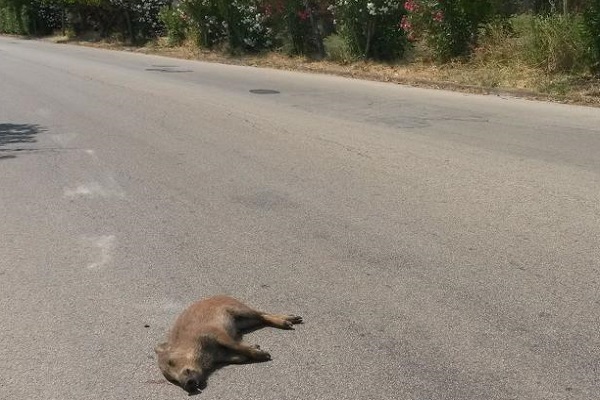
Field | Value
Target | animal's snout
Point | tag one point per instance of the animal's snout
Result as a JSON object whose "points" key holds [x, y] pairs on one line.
{"points": [[190, 385], [193, 382]]}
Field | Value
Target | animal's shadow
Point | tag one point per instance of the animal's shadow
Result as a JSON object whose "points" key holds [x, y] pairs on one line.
{"points": [[14, 139], [218, 366]]}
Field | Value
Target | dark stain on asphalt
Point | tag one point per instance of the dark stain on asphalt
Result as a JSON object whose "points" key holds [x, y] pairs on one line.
{"points": [[168, 69], [264, 91], [267, 201]]}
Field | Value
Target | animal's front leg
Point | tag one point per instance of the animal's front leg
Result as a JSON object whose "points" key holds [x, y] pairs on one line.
{"points": [[232, 357], [236, 359], [240, 349]]}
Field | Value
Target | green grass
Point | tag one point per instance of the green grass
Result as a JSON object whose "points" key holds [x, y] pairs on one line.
{"points": [[555, 43], [337, 49]]}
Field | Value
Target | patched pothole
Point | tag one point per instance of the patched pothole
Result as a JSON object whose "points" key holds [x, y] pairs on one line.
{"points": [[167, 68], [264, 91]]}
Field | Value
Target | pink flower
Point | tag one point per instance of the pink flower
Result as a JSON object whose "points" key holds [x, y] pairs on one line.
{"points": [[303, 15], [405, 24], [268, 10], [411, 5], [438, 16]]}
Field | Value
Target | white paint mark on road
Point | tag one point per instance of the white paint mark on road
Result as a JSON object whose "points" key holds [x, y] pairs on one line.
{"points": [[92, 189], [105, 244], [93, 155], [95, 189], [102, 184]]}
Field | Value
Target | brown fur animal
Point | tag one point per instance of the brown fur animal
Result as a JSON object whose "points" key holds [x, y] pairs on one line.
{"points": [[208, 334]]}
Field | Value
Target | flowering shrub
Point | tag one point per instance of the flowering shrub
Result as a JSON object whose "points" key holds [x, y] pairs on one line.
{"points": [[144, 15], [448, 27], [240, 23], [48, 14], [249, 25], [295, 22], [370, 27], [136, 19]]}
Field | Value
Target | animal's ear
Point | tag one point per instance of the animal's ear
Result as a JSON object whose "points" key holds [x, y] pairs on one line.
{"points": [[161, 348]]}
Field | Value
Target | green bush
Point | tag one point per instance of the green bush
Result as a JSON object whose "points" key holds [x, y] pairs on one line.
{"points": [[207, 20], [13, 19], [557, 43], [8, 21], [336, 49], [498, 44], [591, 18], [175, 25], [25, 17]]}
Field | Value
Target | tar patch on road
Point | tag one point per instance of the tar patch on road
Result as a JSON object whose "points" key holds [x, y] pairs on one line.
{"points": [[167, 68], [264, 91]]}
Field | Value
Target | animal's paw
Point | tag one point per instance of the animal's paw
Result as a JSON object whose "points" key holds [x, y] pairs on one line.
{"points": [[290, 320], [294, 319], [260, 355]]}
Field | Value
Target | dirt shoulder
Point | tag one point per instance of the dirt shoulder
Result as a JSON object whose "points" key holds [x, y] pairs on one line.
{"points": [[469, 77]]}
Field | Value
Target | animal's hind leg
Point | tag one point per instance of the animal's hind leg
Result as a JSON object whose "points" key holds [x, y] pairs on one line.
{"points": [[281, 321], [246, 318], [258, 318]]}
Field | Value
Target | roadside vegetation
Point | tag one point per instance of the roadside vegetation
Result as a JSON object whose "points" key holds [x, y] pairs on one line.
{"points": [[549, 47]]}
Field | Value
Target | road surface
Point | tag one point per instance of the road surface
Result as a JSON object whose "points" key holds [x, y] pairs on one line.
{"points": [[438, 245]]}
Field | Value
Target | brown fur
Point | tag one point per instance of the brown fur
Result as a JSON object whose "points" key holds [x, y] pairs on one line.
{"points": [[208, 334]]}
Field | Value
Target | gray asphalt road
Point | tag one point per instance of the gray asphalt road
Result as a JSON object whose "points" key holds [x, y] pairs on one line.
{"points": [[438, 245]]}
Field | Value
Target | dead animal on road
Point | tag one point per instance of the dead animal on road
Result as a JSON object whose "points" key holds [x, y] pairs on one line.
{"points": [[208, 334]]}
